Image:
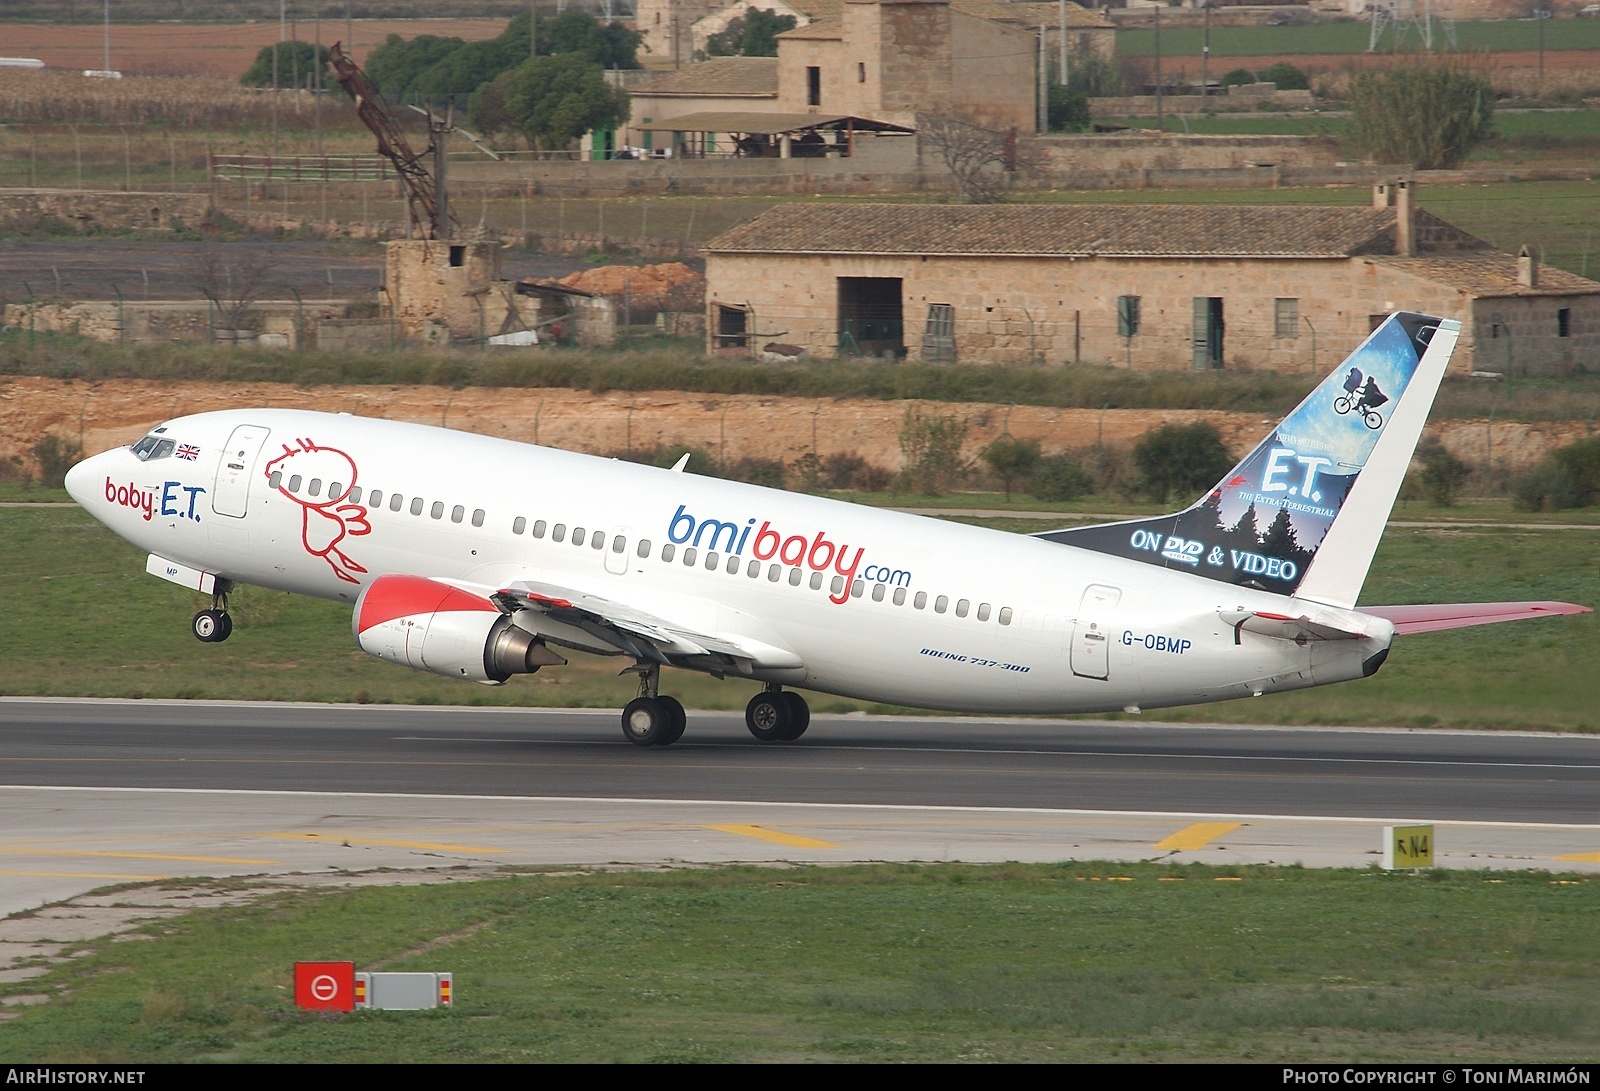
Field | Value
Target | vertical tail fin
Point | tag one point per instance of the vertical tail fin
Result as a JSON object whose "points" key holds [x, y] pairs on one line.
{"points": [[1303, 512]]}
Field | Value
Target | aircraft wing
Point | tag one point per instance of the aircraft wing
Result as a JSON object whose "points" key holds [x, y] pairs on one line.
{"points": [[630, 629], [1434, 617]]}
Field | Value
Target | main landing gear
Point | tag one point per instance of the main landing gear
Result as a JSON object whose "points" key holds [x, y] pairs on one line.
{"points": [[655, 719], [777, 715], [215, 625]]}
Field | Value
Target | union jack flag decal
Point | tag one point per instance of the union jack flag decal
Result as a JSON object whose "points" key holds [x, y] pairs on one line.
{"points": [[188, 451]]}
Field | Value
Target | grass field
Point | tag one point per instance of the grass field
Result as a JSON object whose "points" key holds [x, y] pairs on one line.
{"points": [[1495, 36], [1071, 962], [65, 640]]}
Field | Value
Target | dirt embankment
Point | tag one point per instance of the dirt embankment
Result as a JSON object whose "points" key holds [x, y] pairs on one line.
{"points": [[106, 414]]}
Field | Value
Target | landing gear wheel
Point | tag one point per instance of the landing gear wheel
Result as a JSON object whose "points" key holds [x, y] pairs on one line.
{"points": [[679, 719], [649, 721], [769, 716], [799, 716], [211, 626]]}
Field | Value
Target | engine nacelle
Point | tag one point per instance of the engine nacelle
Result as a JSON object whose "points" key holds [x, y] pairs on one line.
{"points": [[417, 622]]}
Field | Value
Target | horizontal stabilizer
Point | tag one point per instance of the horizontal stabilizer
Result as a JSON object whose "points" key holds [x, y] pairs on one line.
{"points": [[1459, 615], [1329, 624]]}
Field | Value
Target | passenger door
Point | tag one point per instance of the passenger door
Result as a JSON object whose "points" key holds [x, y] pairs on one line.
{"points": [[230, 494], [1091, 632]]}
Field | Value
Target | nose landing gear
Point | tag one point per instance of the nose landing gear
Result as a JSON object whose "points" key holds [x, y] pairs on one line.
{"points": [[215, 625], [777, 715]]}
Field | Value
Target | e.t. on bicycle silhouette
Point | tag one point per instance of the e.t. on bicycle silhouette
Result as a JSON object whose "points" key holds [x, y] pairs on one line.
{"points": [[1361, 397]]}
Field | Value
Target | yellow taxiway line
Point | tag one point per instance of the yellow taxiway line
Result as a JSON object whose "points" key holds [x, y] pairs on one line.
{"points": [[1198, 835], [793, 840]]}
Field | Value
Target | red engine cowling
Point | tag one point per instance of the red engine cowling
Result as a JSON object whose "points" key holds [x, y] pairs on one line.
{"points": [[417, 622]]}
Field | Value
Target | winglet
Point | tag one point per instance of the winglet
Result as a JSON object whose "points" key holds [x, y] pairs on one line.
{"points": [[677, 467]]}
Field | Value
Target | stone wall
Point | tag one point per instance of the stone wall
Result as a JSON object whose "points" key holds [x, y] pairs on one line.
{"points": [[100, 211], [279, 323]]}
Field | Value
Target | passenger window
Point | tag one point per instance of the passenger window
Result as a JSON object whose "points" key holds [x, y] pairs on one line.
{"points": [[396, 501], [538, 528], [983, 611], [754, 570], [276, 480], [899, 596], [1005, 615], [940, 603], [458, 513], [795, 576], [921, 600], [294, 483], [416, 505], [816, 580], [711, 561], [598, 541], [838, 585], [335, 490], [619, 544], [688, 556], [355, 494], [437, 510], [477, 517], [558, 533], [668, 551], [644, 547], [774, 573], [733, 565], [375, 498], [578, 535], [961, 608], [857, 589], [519, 524], [315, 488], [877, 592]]}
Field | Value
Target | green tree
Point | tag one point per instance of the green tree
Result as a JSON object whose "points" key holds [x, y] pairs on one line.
{"points": [[1011, 459], [931, 444], [609, 45], [555, 100], [1287, 77], [1442, 474], [761, 30], [1178, 460], [395, 66], [294, 59], [1069, 110], [727, 42], [1236, 77], [1426, 113], [1059, 477]]}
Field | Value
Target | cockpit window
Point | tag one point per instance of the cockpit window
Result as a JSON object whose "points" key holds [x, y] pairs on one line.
{"points": [[152, 447]]}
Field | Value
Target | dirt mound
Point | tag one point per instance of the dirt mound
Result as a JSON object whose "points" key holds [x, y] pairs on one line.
{"points": [[642, 281]]}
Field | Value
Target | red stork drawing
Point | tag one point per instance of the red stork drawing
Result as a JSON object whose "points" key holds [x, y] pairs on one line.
{"points": [[327, 521]]}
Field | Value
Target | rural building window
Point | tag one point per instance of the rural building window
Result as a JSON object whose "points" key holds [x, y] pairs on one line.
{"points": [[315, 488], [458, 513], [1286, 318], [1005, 615], [396, 501], [1564, 322], [861, 72], [578, 535], [294, 483], [438, 509], [877, 592], [538, 529], [416, 505], [939, 334], [458, 256], [1127, 315], [519, 524], [813, 85], [667, 551], [899, 596], [558, 533], [477, 517], [730, 327], [1494, 331], [644, 547]]}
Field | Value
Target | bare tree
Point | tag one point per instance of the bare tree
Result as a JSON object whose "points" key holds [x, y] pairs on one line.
{"points": [[983, 161], [235, 289]]}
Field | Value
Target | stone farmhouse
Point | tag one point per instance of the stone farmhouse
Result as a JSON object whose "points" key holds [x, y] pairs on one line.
{"points": [[856, 65], [1281, 288]]}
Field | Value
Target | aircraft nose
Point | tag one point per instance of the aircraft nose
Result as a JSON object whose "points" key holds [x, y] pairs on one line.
{"points": [[81, 479]]}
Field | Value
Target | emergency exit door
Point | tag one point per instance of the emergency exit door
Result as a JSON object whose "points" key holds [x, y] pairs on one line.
{"points": [[1091, 632]]}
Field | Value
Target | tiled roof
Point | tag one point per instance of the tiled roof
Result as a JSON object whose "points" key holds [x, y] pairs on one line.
{"points": [[1491, 274], [718, 76], [1046, 14], [1065, 230], [1030, 15], [823, 29]]}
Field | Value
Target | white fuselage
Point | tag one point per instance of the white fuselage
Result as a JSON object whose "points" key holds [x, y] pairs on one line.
{"points": [[986, 620]]}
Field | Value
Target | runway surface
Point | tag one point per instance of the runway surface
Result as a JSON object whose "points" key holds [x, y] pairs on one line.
{"points": [[102, 791]]}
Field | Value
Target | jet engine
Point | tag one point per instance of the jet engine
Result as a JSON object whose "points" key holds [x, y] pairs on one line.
{"points": [[416, 622]]}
